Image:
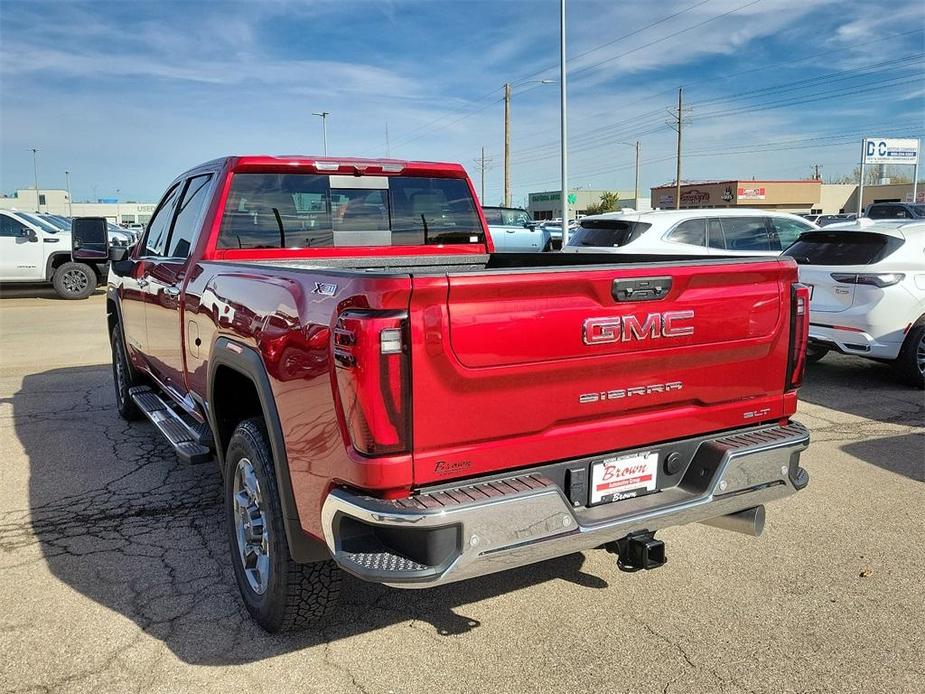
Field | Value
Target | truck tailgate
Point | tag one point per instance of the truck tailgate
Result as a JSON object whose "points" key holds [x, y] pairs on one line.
{"points": [[513, 368]]}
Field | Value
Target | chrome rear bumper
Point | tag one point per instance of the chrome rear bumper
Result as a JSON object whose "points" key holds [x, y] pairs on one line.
{"points": [[483, 527]]}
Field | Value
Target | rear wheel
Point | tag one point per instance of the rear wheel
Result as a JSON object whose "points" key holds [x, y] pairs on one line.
{"points": [[280, 594], [814, 354], [910, 365], [123, 377], [74, 281]]}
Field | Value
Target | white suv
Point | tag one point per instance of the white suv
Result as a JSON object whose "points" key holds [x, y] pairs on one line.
{"points": [[868, 292], [721, 231]]}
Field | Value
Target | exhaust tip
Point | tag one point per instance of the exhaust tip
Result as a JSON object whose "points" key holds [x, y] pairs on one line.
{"points": [[748, 522]]}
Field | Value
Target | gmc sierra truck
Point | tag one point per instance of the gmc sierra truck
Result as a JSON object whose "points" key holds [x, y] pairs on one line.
{"points": [[388, 397]]}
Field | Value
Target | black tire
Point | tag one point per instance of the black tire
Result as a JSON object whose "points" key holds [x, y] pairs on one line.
{"points": [[814, 354], [910, 365], [74, 280], [123, 377], [294, 595]]}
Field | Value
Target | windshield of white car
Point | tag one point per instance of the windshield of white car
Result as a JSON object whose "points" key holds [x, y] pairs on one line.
{"points": [[848, 247], [606, 232]]}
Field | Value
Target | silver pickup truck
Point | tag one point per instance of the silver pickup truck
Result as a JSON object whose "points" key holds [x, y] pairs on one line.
{"points": [[512, 231]]}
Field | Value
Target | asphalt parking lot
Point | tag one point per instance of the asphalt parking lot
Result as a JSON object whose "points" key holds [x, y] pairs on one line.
{"points": [[114, 575]]}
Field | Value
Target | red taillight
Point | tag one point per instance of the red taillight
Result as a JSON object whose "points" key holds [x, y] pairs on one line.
{"points": [[799, 333], [371, 355]]}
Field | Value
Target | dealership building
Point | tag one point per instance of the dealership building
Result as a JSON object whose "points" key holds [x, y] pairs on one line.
{"points": [[548, 204], [806, 196], [56, 201]]}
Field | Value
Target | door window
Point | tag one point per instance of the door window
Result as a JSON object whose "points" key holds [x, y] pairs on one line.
{"points": [[691, 231], [746, 234], [11, 227], [788, 230], [156, 238], [188, 214]]}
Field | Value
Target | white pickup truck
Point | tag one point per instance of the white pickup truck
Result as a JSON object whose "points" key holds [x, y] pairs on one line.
{"points": [[33, 251]]}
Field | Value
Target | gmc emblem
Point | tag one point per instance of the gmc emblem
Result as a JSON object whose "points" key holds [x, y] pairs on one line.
{"points": [[597, 331]]}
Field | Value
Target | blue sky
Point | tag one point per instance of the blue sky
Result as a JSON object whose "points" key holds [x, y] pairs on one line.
{"points": [[126, 95]]}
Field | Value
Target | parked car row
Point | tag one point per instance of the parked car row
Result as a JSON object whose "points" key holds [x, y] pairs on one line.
{"points": [[36, 248]]}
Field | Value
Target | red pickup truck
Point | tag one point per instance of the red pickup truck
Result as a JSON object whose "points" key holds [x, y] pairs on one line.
{"points": [[388, 397]]}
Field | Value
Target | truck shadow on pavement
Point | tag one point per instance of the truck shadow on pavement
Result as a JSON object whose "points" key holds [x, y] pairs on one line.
{"points": [[35, 291], [863, 388], [119, 519]]}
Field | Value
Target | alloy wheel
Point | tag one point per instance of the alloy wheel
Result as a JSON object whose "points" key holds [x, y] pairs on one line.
{"points": [[250, 527], [920, 354], [74, 281]]}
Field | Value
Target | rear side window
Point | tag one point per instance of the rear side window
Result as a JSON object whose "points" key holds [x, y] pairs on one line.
{"points": [[606, 232], [188, 212], [842, 248], [715, 236], [746, 234], [889, 212], [788, 230], [266, 210], [691, 231], [492, 215]]}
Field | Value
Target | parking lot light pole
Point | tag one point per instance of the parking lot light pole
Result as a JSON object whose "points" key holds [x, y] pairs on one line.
{"points": [[67, 180], [564, 135], [324, 128], [35, 174], [636, 186]]}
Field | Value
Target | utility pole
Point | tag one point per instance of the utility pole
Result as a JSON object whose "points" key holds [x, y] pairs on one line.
{"points": [[388, 149], [35, 174], [507, 144], [324, 128], [816, 175], [483, 163], [563, 93], [677, 122], [636, 188], [67, 180]]}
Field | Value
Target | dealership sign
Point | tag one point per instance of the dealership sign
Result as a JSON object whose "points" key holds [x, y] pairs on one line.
{"points": [[750, 193], [879, 150]]}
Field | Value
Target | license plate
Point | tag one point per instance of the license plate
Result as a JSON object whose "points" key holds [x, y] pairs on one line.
{"points": [[614, 479]]}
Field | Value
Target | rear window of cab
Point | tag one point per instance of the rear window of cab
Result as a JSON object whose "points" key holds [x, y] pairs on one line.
{"points": [[270, 210]]}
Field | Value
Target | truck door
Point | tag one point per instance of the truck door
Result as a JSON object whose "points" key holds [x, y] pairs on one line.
{"points": [[134, 286], [164, 292], [21, 254]]}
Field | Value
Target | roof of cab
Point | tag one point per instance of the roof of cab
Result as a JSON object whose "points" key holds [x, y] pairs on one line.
{"points": [[332, 165]]}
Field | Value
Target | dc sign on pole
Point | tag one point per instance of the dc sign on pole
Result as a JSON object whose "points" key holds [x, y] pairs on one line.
{"points": [[893, 151]]}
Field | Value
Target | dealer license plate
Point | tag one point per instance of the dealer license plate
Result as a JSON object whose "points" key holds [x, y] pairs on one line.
{"points": [[614, 479]]}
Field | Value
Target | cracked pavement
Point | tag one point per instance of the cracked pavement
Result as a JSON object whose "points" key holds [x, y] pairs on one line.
{"points": [[114, 571]]}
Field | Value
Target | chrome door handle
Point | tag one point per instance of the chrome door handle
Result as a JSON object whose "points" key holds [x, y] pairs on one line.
{"points": [[142, 283]]}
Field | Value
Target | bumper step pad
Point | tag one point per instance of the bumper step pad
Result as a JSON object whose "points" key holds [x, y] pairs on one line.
{"points": [[185, 439]]}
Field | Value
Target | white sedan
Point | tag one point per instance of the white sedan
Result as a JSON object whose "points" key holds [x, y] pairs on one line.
{"points": [[868, 292]]}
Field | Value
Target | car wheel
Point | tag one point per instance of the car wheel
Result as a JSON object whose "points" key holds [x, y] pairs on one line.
{"points": [[814, 354], [74, 281], [123, 377], [910, 365], [280, 594]]}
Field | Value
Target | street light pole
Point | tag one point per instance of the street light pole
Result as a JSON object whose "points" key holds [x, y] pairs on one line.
{"points": [[324, 128], [35, 174], [67, 179], [507, 144], [564, 135]]}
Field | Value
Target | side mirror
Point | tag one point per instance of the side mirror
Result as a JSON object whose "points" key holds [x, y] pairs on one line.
{"points": [[118, 253], [530, 225], [89, 239]]}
